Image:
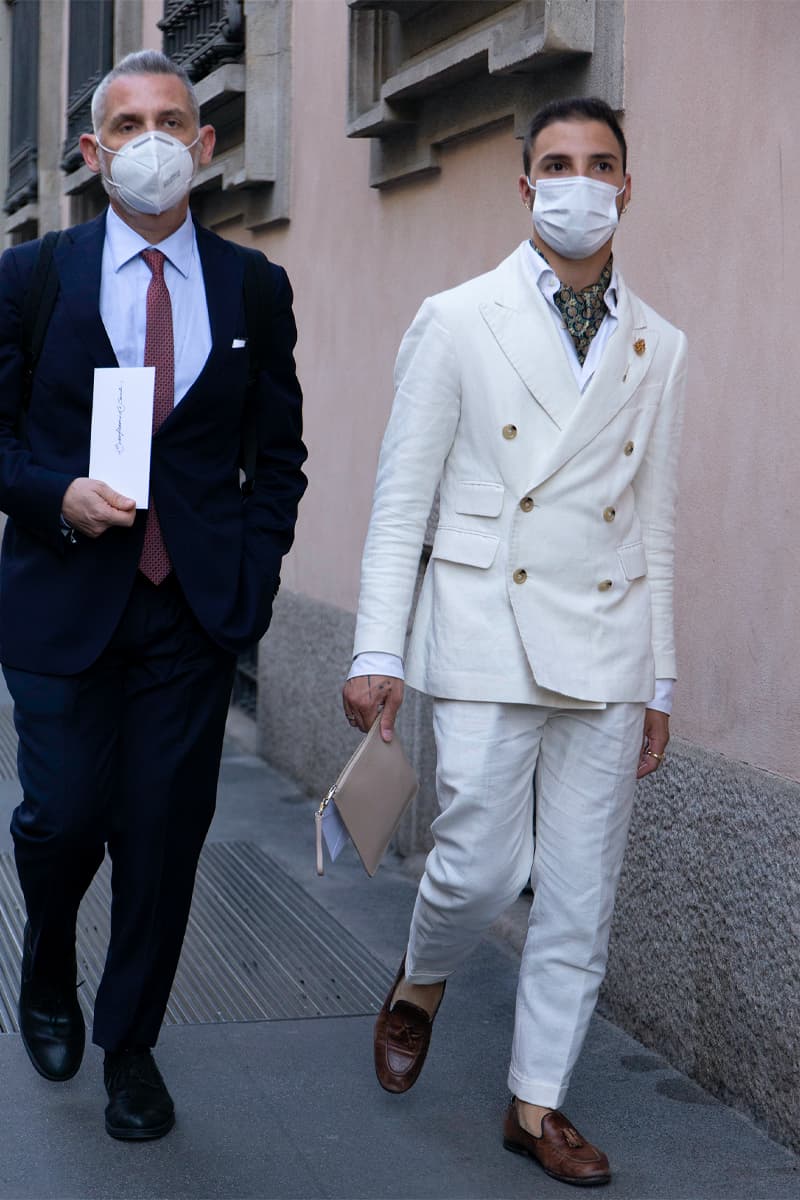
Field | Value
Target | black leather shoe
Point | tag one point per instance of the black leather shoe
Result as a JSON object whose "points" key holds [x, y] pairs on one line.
{"points": [[50, 1021], [139, 1105]]}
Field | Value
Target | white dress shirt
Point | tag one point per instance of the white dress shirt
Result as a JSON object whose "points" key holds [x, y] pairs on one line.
{"points": [[125, 278], [543, 276]]}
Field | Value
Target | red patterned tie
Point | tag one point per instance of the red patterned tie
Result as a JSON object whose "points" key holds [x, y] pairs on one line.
{"points": [[159, 352]]}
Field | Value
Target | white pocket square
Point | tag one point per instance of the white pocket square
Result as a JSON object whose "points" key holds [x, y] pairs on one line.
{"points": [[239, 343]]}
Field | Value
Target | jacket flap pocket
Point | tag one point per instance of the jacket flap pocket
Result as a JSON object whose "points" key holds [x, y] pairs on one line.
{"points": [[479, 499], [633, 559], [465, 546]]}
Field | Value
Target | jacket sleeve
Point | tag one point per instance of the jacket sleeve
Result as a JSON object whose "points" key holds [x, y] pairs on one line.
{"points": [[656, 490], [271, 510], [29, 493], [418, 438]]}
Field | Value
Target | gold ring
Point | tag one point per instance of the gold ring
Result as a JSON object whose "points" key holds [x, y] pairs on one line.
{"points": [[653, 754]]}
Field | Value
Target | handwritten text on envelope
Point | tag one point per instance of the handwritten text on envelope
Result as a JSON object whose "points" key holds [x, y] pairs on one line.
{"points": [[122, 430]]}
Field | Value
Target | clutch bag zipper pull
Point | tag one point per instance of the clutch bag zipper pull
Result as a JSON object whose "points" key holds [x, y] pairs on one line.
{"points": [[318, 815]]}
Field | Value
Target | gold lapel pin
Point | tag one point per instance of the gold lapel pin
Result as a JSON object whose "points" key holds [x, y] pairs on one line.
{"points": [[640, 345]]}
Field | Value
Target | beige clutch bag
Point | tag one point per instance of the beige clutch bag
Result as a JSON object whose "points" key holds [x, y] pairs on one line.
{"points": [[367, 801]]}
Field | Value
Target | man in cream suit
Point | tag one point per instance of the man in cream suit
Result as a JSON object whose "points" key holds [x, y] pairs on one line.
{"points": [[543, 399]]}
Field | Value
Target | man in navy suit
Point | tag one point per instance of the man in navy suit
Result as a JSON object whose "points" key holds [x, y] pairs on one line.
{"points": [[119, 628]]}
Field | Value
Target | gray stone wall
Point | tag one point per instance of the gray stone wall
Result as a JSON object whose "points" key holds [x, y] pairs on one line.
{"points": [[705, 954], [705, 957], [303, 662]]}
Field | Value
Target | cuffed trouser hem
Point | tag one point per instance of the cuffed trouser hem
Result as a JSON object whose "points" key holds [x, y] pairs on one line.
{"points": [[424, 977], [536, 1091]]}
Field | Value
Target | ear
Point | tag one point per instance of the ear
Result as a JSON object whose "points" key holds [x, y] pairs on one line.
{"points": [[208, 138], [88, 147], [525, 192], [626, 195]]}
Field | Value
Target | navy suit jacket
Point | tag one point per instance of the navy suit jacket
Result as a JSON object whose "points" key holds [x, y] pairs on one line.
{"points": [[60, 602]]}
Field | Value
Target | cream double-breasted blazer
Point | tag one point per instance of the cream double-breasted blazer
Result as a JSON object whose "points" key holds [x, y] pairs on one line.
{"points": [[553, 555]]}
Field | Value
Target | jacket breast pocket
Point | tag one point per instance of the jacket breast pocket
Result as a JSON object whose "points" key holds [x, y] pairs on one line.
{"points": [[633, 560], [465, 546], [476, 499]]}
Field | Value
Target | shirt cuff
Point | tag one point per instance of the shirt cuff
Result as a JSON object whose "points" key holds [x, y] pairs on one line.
{"points": [[376, 662], [662, 700]]}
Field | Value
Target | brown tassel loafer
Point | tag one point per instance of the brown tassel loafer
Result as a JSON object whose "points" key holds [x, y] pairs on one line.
{"points": [[402, 1038], [560, 1151]]}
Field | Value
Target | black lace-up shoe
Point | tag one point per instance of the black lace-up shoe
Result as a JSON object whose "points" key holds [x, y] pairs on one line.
{"points": [[139, 1105], [50, 1020]]}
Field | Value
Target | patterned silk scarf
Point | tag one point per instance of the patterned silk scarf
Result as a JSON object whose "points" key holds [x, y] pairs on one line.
{"points": [[583, 311]]}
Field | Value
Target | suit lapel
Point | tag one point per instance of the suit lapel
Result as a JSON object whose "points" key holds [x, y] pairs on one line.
{"points": [[222, 279], [623, 366], [524, 329], [223, 275], [79, 260]]}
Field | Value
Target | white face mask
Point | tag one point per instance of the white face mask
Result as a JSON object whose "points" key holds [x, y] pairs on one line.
{"points": [[151, 173], [575, 216]]}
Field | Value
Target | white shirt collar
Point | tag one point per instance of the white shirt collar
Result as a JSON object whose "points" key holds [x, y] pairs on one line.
{"points": [[125, 243], [548, 282]]}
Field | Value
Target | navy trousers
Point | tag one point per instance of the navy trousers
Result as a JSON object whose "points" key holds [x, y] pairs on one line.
{"points": [[125, 755]]}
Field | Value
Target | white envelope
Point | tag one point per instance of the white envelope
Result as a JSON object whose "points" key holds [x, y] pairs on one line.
{"points": [[122, 430], [334, 832]]}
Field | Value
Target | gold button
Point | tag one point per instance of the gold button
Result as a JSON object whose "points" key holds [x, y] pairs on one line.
{"points": [[509, 432], [628, 448], [526, 504], [604, 585], [609, 513], [520, 575]]}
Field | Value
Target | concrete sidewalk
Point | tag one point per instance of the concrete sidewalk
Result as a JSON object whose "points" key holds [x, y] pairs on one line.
{"points": [[290, 1108]]}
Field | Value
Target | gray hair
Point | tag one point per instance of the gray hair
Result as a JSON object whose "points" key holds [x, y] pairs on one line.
{"points": [[142, 62]]}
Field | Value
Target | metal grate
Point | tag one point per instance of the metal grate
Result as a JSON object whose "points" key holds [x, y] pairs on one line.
{"points": [[257, 948], [8, 743]]}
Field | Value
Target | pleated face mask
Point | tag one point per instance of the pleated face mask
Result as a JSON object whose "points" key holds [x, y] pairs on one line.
{"points": [[575, 216]]}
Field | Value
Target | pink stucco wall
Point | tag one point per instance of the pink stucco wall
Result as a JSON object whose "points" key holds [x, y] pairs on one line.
{"points": [[361, 262], [711, 241]]}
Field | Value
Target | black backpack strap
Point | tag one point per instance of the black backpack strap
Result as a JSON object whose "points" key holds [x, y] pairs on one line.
{"points": [[38, 307], [256, 304]]}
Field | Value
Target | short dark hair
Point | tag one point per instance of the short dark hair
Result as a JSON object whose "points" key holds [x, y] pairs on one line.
{"points": [[576, 108]]}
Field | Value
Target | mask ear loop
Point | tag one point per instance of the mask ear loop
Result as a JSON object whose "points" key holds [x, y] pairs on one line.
{"points": [[107, 180], [150, 133]]}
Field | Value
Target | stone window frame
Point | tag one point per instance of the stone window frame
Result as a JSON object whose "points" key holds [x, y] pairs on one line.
{"points": [[90, 54], [421, 75], [249, 175], [21, 186]]}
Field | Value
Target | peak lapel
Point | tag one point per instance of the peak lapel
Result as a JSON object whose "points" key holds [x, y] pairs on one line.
{"points": [[624, 364], [524, 329], [79, 259], [223, 275]]}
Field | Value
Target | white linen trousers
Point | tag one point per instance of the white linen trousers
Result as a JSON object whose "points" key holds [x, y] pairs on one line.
{"points": [[490, 837]]}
